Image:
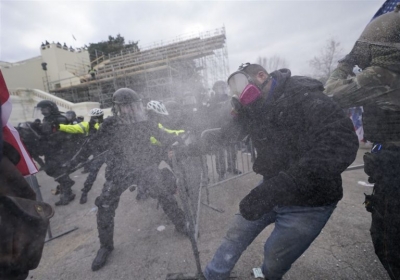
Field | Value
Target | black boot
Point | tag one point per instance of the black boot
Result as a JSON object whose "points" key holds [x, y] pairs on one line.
{"points": [[65, 198], [106, 247], [101, 257], [83, 199], [66, 195]]}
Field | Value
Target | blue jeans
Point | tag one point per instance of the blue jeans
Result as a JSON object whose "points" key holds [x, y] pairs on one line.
{"points": [[295, 229]]}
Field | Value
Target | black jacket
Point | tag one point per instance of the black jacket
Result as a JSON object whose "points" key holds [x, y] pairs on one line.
{"points": [[129, 146], [303, 138]]}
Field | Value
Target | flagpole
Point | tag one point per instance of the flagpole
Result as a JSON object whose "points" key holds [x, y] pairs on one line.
{"points": [[74, 41]]}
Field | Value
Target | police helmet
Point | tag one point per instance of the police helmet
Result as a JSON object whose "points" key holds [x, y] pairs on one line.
{"points": [[71, 115], [48, 104], [125, 96]]}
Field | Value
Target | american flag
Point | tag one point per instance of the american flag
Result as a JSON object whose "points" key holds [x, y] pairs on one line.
{"points": [[388, 6], [10, 134], [356, 117]]}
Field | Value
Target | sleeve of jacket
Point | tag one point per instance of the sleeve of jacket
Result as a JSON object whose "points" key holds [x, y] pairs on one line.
{"points": [[164, 138], [100, 141], [333, 145], [79, 128]]}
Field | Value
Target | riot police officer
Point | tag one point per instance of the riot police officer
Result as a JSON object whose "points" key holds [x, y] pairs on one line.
{"points": [[131, 157], [58, 149], [377, 89]]}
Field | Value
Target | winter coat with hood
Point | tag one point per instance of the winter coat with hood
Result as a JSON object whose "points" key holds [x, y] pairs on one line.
{"points": [[303, 140]]}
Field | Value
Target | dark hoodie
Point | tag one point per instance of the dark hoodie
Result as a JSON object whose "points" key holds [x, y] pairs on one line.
{"points": [[304, 138]]}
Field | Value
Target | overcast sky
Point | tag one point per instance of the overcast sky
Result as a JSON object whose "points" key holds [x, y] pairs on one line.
{"points": [[293, 30]]}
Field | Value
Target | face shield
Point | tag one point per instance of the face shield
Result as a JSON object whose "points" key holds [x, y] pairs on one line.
{"points": [[71, 117], [131, 112], [40, 112]]}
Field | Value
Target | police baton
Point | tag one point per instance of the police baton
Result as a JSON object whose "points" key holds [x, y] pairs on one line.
{"points": [[80, 165]]}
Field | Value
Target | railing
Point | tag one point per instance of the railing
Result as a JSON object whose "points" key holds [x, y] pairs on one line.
{"points": [[181, 38], [42, 95]]}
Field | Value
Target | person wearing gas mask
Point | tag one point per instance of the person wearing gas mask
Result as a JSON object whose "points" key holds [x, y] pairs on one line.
{"points": [[377, 89], [130, 157], [58, 149], [304, 141]]}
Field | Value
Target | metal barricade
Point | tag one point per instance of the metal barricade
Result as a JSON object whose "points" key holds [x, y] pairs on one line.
{"points": [[197, 173]]}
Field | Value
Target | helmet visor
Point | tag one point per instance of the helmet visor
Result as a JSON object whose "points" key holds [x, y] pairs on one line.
{"points": [[134, 111], [237, 82], [40, 112], [241, 86]]}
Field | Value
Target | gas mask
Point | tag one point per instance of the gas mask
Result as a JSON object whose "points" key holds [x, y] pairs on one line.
{"points": [[246, 93]]}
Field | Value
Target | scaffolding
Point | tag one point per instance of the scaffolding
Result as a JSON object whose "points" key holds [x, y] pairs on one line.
{"points": [[187, 65]]}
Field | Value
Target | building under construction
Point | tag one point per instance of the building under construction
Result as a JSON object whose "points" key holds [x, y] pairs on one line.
{"points": [[186, 66]]}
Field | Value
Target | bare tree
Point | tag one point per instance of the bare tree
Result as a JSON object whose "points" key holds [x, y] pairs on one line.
{"points": [[325, 63], [273, 63]]}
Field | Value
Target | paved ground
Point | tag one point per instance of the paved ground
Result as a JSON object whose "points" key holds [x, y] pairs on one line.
{"points": [[342, 251]]}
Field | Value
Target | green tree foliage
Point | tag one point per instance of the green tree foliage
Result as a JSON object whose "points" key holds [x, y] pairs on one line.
{"points": [[112, 45]]}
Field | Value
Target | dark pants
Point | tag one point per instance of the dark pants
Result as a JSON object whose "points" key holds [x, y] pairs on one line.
{"points": [[384, 206], [54, 168], [108, 201], [93, 168], [385, 226]]}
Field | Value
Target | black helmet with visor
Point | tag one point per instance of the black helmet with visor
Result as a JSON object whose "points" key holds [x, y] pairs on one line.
{"points": [[128, 106]]}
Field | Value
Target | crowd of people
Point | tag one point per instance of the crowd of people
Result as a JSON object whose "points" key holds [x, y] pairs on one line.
{"points": [[131, 143], [303, 138]]}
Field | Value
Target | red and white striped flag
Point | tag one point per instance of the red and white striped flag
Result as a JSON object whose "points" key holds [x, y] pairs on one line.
{"points": [[10, 134]]}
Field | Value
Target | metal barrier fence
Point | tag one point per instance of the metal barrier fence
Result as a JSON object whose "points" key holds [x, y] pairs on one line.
{"points": [[197, 173]]}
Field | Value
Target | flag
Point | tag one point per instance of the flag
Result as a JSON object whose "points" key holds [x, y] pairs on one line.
{"points": [[10, 134], [388, 6], [356, 117]]}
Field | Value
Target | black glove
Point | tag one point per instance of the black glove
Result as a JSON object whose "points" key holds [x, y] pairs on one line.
{"points": [[278, 190]]}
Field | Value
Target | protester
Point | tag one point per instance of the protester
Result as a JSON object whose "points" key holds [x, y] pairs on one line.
{"points": [[93, 73], [304, 142], [377, 89]]}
